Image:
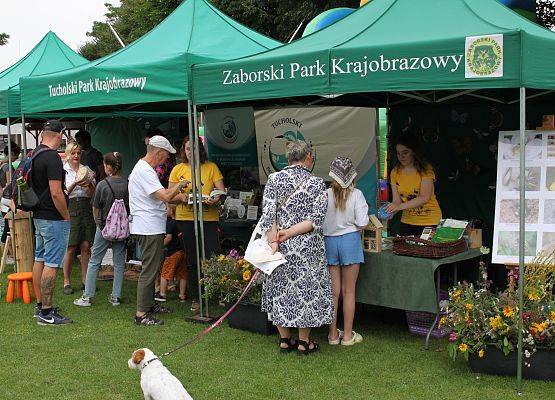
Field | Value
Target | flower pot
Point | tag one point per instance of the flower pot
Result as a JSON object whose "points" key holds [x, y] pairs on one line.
{"points": [[248, 317], [542, 364]]}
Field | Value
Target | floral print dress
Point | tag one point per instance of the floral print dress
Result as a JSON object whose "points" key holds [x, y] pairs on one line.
{"points": [[298, 293]]}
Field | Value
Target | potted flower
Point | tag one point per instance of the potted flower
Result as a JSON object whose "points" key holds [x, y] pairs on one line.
{"points": [[225, 278], [485, 324]]}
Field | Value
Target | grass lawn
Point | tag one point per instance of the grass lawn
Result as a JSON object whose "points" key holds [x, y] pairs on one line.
{"points": [[88, 360]]}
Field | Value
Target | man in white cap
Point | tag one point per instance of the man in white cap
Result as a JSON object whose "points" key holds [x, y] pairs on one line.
{"points": [[147, 198]]}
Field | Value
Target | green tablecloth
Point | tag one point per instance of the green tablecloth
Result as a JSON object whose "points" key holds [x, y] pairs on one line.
{"points": [[406, 283]]}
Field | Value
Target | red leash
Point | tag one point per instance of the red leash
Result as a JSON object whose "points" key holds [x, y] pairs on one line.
{"points": [[220, 320]]}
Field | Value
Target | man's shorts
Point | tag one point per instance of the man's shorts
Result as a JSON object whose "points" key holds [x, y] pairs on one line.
{"points": [[51, 238]]}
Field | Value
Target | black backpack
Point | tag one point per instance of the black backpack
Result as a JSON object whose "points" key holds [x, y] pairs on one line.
{"points": [[22, 192]]}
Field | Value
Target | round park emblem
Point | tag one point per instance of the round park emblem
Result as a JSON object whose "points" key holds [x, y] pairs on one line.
{"points": [[484, 56], [229, 130]]}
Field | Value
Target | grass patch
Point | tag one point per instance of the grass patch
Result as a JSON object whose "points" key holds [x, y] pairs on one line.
{"points": [[88, 360]]}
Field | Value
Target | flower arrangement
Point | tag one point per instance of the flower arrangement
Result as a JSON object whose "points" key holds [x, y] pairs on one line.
{"points": [[226, 276], [479, 318]]}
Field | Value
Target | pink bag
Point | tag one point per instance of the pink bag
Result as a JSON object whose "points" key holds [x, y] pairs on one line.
{"points": [[117, 221]]}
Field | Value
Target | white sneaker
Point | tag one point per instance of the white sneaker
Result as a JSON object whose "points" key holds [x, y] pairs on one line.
{"points": [[82, 301]]}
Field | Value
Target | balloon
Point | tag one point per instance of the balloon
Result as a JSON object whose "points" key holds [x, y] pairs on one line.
{"points": [[363, 2], [528, 5], [326, 19]]}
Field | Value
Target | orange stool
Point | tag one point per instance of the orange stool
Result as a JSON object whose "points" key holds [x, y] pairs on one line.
{"points": [[19, 283]]}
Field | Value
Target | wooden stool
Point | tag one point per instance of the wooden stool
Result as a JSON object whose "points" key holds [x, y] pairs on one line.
{"points": [[19, 283]]}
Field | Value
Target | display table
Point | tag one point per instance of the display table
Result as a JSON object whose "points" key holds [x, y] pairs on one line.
{"points": [[406, 283]]}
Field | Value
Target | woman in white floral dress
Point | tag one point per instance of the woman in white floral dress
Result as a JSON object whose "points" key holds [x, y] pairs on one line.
{"points": [[298, 294]]}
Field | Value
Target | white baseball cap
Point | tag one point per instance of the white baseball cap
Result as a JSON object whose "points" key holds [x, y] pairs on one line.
{"points": [[162, 143]]}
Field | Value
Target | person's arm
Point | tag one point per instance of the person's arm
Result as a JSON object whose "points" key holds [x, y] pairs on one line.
{"points": [[426, 191], [58, 198], [167, 239], [298, 229], [178, 199], [361, 210], [219, 184], [96, 214], [167, 195]]}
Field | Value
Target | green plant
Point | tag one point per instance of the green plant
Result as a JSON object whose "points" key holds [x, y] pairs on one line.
{"points": [[478, 317], [226, 276]]}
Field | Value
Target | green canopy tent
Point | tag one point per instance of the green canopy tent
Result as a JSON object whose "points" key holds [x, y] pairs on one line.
{"points": [[393, 52], [152, 74], [154, 69], [51, 54]]}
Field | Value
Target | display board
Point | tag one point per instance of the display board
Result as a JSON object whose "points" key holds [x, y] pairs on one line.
{"points": [[540, 196]]}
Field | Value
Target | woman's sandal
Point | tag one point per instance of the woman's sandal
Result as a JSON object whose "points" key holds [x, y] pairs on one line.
{"points": [[291, 343], [307, 349]]}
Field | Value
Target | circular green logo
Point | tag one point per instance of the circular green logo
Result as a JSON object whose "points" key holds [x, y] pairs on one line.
{"points": [[484, 56]]}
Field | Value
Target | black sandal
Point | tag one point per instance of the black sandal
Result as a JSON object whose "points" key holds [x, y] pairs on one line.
{"points": [[291, 343], [307, 350]]}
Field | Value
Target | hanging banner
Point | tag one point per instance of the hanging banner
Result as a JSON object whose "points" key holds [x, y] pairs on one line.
{"points": [[230, 137], [330, 131]]}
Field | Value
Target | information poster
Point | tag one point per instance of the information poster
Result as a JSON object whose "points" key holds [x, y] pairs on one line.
{"points": [[539, 175]]}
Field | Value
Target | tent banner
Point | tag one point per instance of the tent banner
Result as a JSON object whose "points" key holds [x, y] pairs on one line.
{"points": [[330, 131], [230, 136]]}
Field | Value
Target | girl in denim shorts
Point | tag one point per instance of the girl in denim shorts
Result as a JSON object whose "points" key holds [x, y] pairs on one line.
{"points": [[347, 214]]}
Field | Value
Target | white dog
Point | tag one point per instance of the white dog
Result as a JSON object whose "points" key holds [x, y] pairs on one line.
{"points": [[157, 381]]}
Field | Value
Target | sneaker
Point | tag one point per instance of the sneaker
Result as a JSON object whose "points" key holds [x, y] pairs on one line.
{"points": [[53, 318], [147, 320], [82, 301], [160, 297], [36, 312], [158, 309], [182, 299], [115, 301], [68, 289]]}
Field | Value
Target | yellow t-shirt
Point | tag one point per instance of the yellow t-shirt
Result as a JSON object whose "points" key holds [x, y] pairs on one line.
{"points": [[210, 174], [408, 187]]}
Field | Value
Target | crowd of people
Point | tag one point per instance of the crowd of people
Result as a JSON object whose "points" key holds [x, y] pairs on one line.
{"points": [[317, 229]]}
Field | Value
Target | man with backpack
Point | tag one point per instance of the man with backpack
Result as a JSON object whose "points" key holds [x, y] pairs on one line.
{"points": [[51, 219]]}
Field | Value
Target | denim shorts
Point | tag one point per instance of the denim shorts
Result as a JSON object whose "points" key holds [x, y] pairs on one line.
{"points": [[51, 238], [344, 249]]}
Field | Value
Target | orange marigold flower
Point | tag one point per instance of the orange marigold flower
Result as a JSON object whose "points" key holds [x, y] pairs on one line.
{"points": [[481, 353], [468, 306], [246, 275], [508, 311], [463, 347]]}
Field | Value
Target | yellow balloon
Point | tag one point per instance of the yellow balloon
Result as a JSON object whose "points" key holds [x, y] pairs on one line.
{"points": [[363, 2]]}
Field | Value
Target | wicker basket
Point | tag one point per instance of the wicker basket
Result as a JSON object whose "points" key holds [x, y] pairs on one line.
{"points": [[416, 247], [419, 322]]}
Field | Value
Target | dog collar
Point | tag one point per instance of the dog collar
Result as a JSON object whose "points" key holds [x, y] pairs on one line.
{"points": [[148, 362]]}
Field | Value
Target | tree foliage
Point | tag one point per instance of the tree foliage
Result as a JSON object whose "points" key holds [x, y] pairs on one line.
{"points": [[133, 18], [4, 38], [545, 11]]}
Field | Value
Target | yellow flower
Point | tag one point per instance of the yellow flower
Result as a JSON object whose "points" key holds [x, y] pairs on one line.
{"points": [[481, 353], [246, 275], [463, 347], [495, 322], [552, 315], [442, 321], [468, 306], [533, 296], [457, 295], [221, 258], [508, 311]]}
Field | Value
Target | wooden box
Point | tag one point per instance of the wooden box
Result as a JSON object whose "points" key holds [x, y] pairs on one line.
{"points": [[372, 236]]}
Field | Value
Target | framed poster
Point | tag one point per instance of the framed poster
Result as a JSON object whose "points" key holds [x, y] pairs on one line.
{"points": [[539, 175]]}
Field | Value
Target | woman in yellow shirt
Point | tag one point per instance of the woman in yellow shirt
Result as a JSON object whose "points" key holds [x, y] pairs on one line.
{"points": [[412, 184], [211, 178]]}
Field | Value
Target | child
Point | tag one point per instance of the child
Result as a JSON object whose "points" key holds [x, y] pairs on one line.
{"points": [[175, 263], [347, 214]]}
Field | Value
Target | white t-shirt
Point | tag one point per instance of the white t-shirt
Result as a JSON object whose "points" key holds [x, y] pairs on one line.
{"points": [[78, 191], [353, 218], [148, 214]]}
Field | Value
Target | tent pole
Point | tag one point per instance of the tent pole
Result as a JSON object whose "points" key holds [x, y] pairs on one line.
{"points": [[198, 143], [194, 190], [8, 179], [522, 232], [23, 134]]}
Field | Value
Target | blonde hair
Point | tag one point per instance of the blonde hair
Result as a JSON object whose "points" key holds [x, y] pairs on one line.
{"points": [[341, 195], [71, 146]]}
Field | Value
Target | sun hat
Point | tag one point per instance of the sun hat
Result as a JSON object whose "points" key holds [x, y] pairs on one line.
{"points": [[162, 143], [343, 171]]}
